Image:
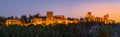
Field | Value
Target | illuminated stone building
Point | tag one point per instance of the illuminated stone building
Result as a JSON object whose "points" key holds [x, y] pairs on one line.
{"points": [[88, 15], [36, 21], [105, 18], [13, 22], [59, 19], [50, 19]]}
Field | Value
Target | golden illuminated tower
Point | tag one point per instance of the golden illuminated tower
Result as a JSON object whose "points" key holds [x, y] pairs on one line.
{"points": [[88, 14], [49, 18], [106, 17]]}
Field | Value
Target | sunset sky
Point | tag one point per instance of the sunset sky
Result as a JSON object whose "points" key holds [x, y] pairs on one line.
{"points": [[69, 8]]}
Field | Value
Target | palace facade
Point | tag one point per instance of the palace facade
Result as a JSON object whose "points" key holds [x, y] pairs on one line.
{"points": [[50, 19], [105, 18]]}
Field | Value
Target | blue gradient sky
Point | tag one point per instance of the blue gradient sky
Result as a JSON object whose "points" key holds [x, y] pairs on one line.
{"points": [[69, 8]]}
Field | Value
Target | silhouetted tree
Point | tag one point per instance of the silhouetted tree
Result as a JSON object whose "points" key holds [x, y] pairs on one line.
{"points": [[24, 19]]}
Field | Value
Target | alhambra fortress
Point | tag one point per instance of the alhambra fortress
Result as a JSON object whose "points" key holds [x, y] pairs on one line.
{"points": [[50, 19]]}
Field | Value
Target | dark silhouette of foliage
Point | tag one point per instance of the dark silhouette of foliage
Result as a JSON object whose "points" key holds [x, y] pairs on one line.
{"points": [[59, 30]]}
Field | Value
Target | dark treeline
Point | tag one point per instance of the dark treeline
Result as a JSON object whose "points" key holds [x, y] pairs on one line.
{"points": [[81, 29]]}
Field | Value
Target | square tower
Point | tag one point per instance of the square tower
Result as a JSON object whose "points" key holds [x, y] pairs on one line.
{"points": [[49, 18]]}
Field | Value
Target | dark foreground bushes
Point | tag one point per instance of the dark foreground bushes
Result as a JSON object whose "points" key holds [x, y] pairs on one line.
{"points": [[60, 30]]}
